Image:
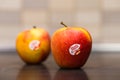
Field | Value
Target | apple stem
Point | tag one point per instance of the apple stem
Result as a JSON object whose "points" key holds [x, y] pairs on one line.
{"points": [[64, 24], [34, 27]]}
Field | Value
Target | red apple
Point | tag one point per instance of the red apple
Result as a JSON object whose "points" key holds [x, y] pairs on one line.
{"points": [[33, 45], [71, 46]]}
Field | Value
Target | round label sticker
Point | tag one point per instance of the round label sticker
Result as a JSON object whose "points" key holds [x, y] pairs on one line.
{"points": [[74, 49], [34, 45]]}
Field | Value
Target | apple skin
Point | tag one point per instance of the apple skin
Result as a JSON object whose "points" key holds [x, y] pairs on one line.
{"points": [[63, 39], [33, 45]]}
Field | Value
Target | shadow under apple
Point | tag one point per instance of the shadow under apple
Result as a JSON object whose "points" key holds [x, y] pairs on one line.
{"points": [[34, 72], [66, 74]]}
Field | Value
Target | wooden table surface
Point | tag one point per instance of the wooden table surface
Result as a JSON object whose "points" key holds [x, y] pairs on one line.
{"points": [[100, 66]]}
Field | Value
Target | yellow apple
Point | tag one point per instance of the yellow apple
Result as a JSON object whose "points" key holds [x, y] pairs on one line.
{"points": [[33, 45]]}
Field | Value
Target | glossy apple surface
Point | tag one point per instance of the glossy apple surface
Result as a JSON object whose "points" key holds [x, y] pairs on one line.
{"points": [[71, 46], [33, 45]]}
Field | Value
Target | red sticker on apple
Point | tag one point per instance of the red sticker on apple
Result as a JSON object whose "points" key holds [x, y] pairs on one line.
{"points": [[74, 49], [34, 45]]}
